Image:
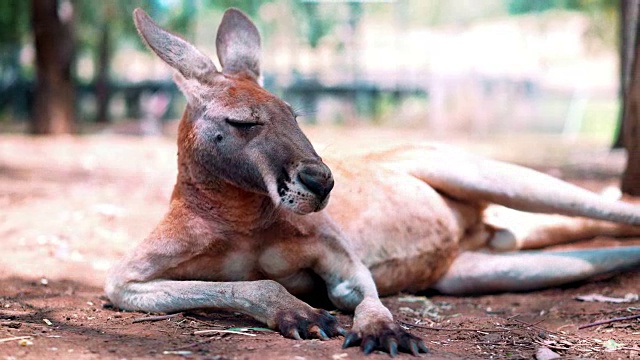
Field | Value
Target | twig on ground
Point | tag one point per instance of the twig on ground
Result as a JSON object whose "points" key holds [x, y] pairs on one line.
{"points": [[602, 322], [194, 317], [596, 312], [452, 329], [155, 318], [534, 325], [563, 347], [15, 338], [11, 324], [559, 329], [195, 343], [199, 332], [486, 343]]}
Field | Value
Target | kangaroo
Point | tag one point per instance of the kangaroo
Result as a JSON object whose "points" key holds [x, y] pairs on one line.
{"points": [[250, 227]]}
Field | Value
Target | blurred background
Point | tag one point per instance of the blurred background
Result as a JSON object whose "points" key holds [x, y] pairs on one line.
{"points": [[477, 67]]}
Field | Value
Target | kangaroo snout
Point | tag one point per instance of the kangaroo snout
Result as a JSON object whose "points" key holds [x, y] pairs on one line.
{"points": [[307, 187], [317, 178]]}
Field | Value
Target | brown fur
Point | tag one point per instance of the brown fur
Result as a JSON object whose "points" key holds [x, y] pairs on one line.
{"points": [[247, 225]]}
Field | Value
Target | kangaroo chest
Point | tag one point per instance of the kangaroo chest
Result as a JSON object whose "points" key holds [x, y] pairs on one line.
{"points": [[238, 262]]}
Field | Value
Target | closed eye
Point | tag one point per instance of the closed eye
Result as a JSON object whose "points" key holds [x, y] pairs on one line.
{"points": [[242, 125]]}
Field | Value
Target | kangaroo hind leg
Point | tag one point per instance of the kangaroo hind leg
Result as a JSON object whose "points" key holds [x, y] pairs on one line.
{"points": [[476, 179], [515, 230]]}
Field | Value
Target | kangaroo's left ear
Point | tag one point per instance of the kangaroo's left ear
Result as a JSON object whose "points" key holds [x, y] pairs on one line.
{"points": [[238, 45], [175, 51]]}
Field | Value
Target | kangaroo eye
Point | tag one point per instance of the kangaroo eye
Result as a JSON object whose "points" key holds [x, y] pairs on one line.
{"points": [[242, 125]]}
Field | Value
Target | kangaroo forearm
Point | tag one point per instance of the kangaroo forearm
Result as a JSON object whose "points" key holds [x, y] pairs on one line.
{"points": [[348, 280], [261, 299]]}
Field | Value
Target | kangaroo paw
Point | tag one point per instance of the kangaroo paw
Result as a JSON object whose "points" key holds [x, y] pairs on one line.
{"points": [[385, 336], [308, 324]]}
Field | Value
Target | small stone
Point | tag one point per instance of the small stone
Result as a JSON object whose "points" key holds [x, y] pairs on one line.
{"points": [[544, 353], [25, 342]]}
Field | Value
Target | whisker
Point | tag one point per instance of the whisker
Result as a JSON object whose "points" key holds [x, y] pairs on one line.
{"points": [[299, 111]]}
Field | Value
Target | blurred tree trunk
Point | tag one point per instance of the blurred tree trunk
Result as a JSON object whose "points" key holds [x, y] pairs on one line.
{"points": [[631, 127], [103, 91], [629, 12], [52, 23]]}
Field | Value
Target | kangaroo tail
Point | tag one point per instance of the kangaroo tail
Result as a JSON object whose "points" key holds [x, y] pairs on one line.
{"points": [[478, 273]]}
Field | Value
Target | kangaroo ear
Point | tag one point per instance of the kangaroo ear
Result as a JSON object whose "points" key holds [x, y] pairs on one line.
{"points": [[176, 52], [238, 45], [193, 89]]}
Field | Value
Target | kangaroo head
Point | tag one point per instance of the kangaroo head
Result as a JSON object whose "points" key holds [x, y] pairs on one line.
{"points": [[233, 130]]}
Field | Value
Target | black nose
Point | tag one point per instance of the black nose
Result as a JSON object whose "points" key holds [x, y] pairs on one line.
{"points": [[317, 178]]}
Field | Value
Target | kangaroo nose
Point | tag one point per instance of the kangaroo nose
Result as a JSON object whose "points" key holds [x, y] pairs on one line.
{"points": [[317, 178]]}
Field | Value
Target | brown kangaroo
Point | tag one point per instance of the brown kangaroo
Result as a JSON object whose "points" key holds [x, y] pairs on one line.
{"points": [[250, 225]]}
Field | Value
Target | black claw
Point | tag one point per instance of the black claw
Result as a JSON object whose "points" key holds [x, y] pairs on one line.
{"points": [[393, 348], [298, 324], [342, 331], [414, 348], [351, 339], [385, 337], [368, 345]]}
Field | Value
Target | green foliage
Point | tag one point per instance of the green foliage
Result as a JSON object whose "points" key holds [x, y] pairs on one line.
{"points": [[312, 22], [250, 7], [316, 26], [14, 21], [603, 13], [14, 28], [317, 20], [528, 6], [91, 16], [612, 345]]}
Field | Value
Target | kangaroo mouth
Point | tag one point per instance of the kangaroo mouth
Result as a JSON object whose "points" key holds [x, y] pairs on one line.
{"points": [[294, 196], [305, 191]]}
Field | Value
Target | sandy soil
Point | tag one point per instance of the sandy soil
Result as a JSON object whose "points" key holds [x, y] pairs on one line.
{"points": [[72, 206]]}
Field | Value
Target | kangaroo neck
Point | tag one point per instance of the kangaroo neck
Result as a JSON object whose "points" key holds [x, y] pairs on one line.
{"points": [[237, 209]]}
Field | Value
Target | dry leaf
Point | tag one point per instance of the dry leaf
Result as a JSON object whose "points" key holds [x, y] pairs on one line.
{"points": [[612, 345]]}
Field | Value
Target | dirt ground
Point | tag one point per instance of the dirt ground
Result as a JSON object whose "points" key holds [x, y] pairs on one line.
{"points": [[71, 206]]}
